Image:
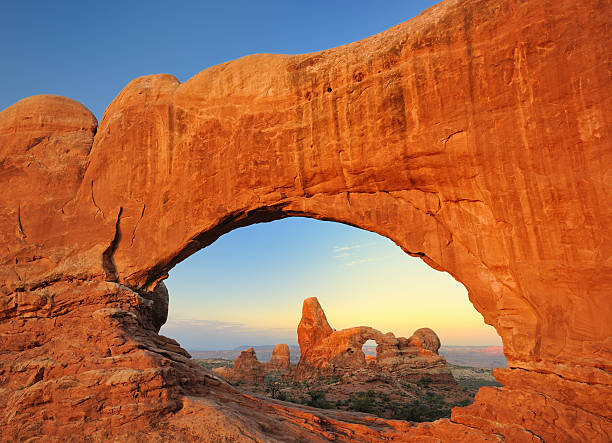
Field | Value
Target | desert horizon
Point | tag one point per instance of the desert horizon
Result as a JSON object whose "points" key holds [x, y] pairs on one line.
{"points": [[475, 356], [360, 276], [412, 379]]}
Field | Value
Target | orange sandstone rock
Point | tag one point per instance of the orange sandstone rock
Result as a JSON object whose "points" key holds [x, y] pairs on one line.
{"points": [[340, 352], [280, 360], [475, 136], [247, 368], [313, 326], [223, 371]]}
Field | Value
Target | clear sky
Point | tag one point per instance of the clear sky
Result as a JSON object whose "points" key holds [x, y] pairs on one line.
{"points": [[90, 50], [246, 288]]}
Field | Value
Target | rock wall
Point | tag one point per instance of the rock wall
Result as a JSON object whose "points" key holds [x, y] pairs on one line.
{"points": [[476, 136]]}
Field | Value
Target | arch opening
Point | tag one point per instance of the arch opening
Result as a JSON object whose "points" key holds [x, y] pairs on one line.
{"points": [[361, 277]]}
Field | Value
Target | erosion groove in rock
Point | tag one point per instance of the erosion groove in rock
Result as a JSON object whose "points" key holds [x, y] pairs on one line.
{"points": [[475, 136]]}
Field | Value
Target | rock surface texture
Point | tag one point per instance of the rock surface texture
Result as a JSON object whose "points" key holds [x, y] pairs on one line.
{"points": [[280, 360], [247, 368], [325, 351], [475, 136]]}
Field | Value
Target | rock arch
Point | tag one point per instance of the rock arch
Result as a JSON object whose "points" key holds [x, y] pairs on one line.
{"points": [[475, 136], [326, 351]]}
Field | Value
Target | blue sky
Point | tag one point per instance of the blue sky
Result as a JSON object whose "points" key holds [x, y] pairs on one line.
{"points": [[246, 288], [89, 51]]}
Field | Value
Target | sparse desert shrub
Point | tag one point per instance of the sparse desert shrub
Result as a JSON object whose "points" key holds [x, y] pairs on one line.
{"points": [[211, 363], [363, 402], [465, 402], [408, 385], [433, 397], [430, 408], [425, 381], [332, 379], [318, 400], [341, 403], [272, 377], [273, 388]]}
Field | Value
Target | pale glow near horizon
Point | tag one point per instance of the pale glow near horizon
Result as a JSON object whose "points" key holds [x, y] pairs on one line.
{"points": [[248, 287]]}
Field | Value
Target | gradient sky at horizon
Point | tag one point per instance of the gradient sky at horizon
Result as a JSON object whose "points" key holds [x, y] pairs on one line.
{"points": [[246, 288]]}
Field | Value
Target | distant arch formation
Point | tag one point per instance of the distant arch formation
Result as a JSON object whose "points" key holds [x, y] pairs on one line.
{"points": [[475, 136], [325, 351]]}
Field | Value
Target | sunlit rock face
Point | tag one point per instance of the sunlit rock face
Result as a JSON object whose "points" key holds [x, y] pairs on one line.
{"points": [[247, 368], [325, 351], [476, 136], [280, 361]]}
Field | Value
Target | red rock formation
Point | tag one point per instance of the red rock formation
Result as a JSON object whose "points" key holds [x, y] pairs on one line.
{"points": [[326, 352], [426, 340], [280, 360], [247, 368], [223, 371], [475, 136], [313, 326]]}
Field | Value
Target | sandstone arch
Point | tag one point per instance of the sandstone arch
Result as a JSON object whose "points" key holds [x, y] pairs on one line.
{"points": [[475, 136], [326, 351]]}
